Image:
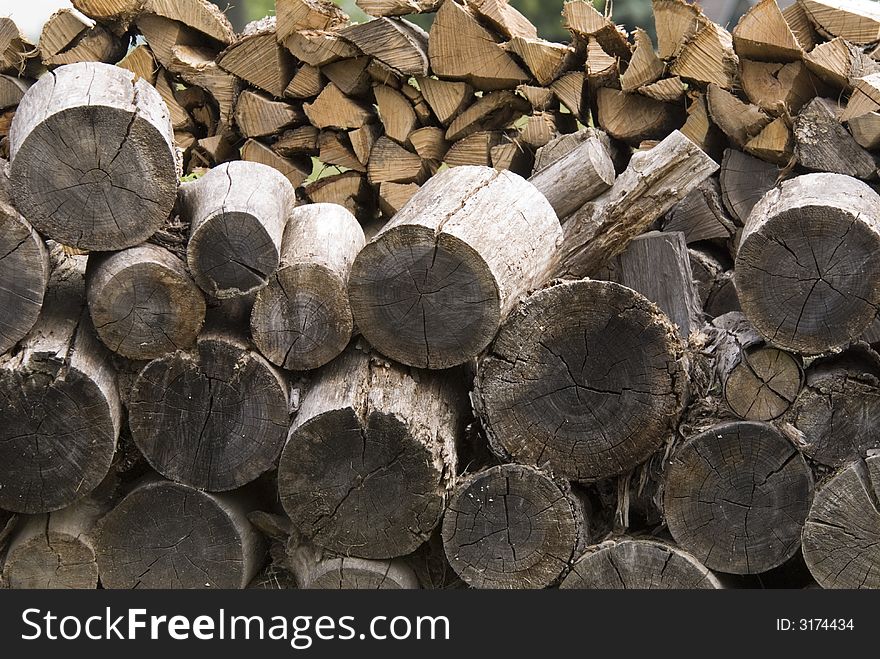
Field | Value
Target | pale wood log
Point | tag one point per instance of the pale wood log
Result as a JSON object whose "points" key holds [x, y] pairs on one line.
{"points": [[257, 115], [584, 22], [350, 75], [857, 21], [396, 113], [333, 109], [738, 120], [763, 34], [257, 57], [475, 150], [779, 88], [677, 23], [70, 36], [840, 63], [295, 15], [708, 58], [307, 82], [644, 67], [634, 118], [398, 44], [447, 99], [545, 60], [504, 19], [296, 171]]}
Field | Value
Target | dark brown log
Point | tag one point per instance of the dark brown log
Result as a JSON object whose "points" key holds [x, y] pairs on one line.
{"points": [[105, 189], [215, 418], [237, 213], [302, 319], [701, 215], [638, 564], [167, 535], [371, 456], [586, 377], [736, 497], [823, 144], [512, 527], [744, 180], [807, 261]]}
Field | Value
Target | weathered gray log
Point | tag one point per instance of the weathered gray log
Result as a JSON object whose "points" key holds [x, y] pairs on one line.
{"points": [[823, 144], [167, 535], [744, 180], [143, 302], [432, 288], [512, 526], [638, 563], [238, 212], [371, 456], [92, 157], [760, 382], [24, 275], [841, 539], [60, 413], [587, 377], [214, 418], [736, 497], [302, 319], [701, 215], [809, 262]]}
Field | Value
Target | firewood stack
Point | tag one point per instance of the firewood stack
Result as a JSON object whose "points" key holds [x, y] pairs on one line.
{"points": [[335, 305]]}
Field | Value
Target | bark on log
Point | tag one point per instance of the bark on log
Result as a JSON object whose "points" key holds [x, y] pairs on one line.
{"points": [[512, 526], [587, 377], [809, 260], [102, 188], [432, 288], [237, 212], [371, 456], [60, 414], [317, 569], [736, 497], [214, 420], [824, 145], [167, 535], [302, 319], [638, 564], [143, 302]]}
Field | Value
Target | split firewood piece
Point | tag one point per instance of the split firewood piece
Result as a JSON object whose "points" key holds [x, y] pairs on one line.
{"points": [[569, 89], [298, 141], [763, 34], [712, 278], [379, 488], [257, 115], [195, 540], [391, 163], [514, 156], [12, 90], [539, 130], [141, 62], [841, 534], [546, 529], [824, 145], [61, 412], [778, 88], [333, 109], [584, 22], [396, 113], [350, 75], [319, 48], [237, 213], [307, 82], [708, 58], [103, 192], [400, 45], [775, 143], [801, 26], [540, 98], [840, 63], [638, 564], [495, 110], [738, 120], [70, 36], [296, 171], [461, 49], [24, 270], [196, 66], [645, 67], [657, 265], [475, 149], [257, 58], [677, 23], [759, 381], [362, 141], [738, 511], [302, 319], [837, 415], [181, 120], [667, 90], [398, 7], [477, 275], [865, 97], [545, 60], [701, 215], [654, 182], [744, 180], [296, 15], [349, 189], [163, 35], [430, 143], [598, 350], [865, 130], [809, 254], [504, 19], [200, 15], [447, 99], [384, 75], [18, 56], [857, 21], [214, 418], [633, 118], [143, 302], [603, 70], [699, 128], [394, 196], [117, 13], [335, 149]]}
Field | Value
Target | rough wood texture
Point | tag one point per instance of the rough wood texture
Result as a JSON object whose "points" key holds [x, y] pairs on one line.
{"points": [[840, 63], [823, 144], [295, 15], [634, 118], [193, 540], [708, 58], [736, 497], [317, 569], [763, 34], [865, 130], [257, 115], [302, 319], [857, 21], [69, 37], [237, 212], [601, 353], [495, 110], [432, 288], [740, 121], [701, 215], [259, 59], [677, 23], [296, 171], [843, 528], [378, 489], [447, 99], [744, 180], [94, 189], [398, 44], [511, 526], [638, 564], [809, 252]]}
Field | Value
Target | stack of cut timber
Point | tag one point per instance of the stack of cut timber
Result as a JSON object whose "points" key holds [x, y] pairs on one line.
{"points": [[345, 305]]}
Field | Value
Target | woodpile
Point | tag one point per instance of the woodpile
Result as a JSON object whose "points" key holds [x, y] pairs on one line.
{"points": [[337, 305]]}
